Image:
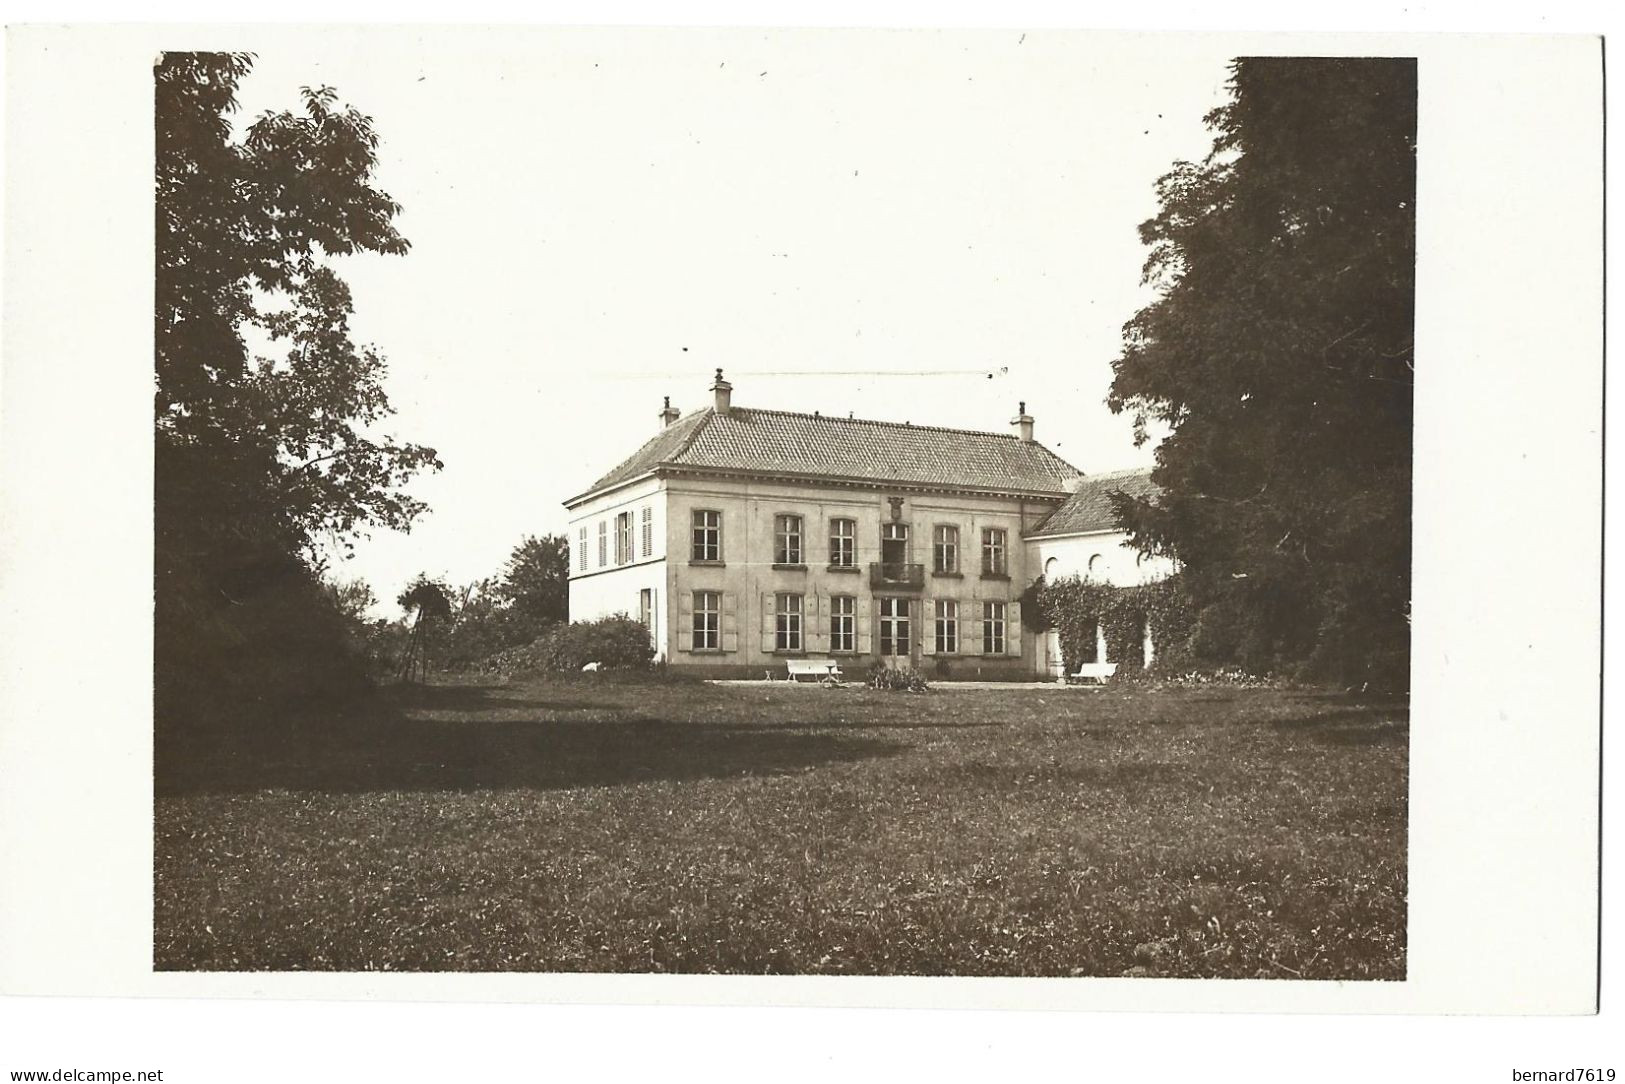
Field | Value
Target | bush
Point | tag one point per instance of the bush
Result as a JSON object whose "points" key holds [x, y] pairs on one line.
{"points": [[897, 679], [613, 642]]}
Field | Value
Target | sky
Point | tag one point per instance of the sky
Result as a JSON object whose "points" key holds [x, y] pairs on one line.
{"points": [[925, 226]]}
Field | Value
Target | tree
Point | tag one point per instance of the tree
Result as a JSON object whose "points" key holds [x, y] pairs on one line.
{"points": [[427, 602], [260, 455], [536, 583], [351, 598], [1278, 353]]}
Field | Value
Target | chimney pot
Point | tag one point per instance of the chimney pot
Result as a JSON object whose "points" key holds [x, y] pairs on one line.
{"points": [[668, 414], [722, 391], [1023, 423]]}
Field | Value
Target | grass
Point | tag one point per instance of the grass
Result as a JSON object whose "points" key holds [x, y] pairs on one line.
{"points": [[674, 827]]}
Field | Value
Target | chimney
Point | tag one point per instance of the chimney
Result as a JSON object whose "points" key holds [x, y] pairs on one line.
{"points": [[668, 415], [723, 392], [1025, 422]]}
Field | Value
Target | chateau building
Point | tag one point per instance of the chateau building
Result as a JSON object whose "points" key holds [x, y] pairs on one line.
{"points": [[743, 538]]}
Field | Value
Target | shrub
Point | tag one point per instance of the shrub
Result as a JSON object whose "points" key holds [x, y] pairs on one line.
{"points": [[613, 642], [897, 679]]}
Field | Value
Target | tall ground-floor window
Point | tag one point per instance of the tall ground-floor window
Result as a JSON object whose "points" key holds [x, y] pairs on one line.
{"points": [[947, 626], [646, 608], [787, 623], [843, 623], [894, 631], [993, 628], [707, 620]]}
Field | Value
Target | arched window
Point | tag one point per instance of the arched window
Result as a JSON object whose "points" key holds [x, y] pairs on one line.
{"points": [[1097, 563], [1051, 567]]}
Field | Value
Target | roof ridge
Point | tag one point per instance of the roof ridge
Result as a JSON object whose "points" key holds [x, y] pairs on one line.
{"points": [[691, 436], [1120, 472], [880, 421], [1040, 445]]}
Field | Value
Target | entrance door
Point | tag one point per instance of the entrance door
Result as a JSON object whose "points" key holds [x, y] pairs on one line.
{"points": [[896, 631]]}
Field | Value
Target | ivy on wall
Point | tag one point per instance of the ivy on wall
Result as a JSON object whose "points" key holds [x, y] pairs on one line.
{"points": [[1075, 607]]}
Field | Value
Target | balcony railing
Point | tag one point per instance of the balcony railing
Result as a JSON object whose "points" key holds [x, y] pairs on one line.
{"points": [[896, 576]]}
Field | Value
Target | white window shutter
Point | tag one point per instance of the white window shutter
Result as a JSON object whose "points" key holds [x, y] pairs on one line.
{"points": [[970, 629], [685, 621], [1012, 629], [861, 620], [730, 622], [767, 624]]}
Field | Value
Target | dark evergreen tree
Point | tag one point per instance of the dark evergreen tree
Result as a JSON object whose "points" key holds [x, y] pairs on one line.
{"points": [[1279, 353]]}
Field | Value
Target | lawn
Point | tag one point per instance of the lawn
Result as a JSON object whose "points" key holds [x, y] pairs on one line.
{"points": [[676, 827]]}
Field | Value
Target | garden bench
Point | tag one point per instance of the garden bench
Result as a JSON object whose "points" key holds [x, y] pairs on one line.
{"points": [[823, 669], [1093, 671]]}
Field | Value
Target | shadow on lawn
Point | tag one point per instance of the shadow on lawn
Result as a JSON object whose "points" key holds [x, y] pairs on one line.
{"points": [[1352, 725], [391, 747]]}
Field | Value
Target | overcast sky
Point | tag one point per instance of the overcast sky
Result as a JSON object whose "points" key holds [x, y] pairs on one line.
{"points": [[863, 221]]}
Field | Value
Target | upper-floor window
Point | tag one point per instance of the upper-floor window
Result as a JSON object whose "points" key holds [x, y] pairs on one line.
{"points": [[945, 549], [623, 538], [603, 542], [994, 554], [843, 543], [707, 536], [648, 531], [787, 623], [787, 540], [843, 623], [707, 620], [947, 626], [581, 549], [993, 628]]}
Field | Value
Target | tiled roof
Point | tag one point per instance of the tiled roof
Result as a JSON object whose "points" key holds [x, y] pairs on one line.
{"points": [[1090, 508], [663, 447], [779, 442]]}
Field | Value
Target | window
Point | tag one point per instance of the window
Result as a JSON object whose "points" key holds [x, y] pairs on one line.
{"points": [[1097, 563], [787, 623], [707, 620], [646, 609], [648, 531], [894, 626], [993, 628], [581, 550], [945, 549], [603, 542], [993, 552], [623, 538], [707, 536], [843, 543], [787, 540], [894, 544], [843, 623], [947, 626]]}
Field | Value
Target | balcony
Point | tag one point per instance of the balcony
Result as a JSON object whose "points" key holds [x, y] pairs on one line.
{"points": [[896, 576]]}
